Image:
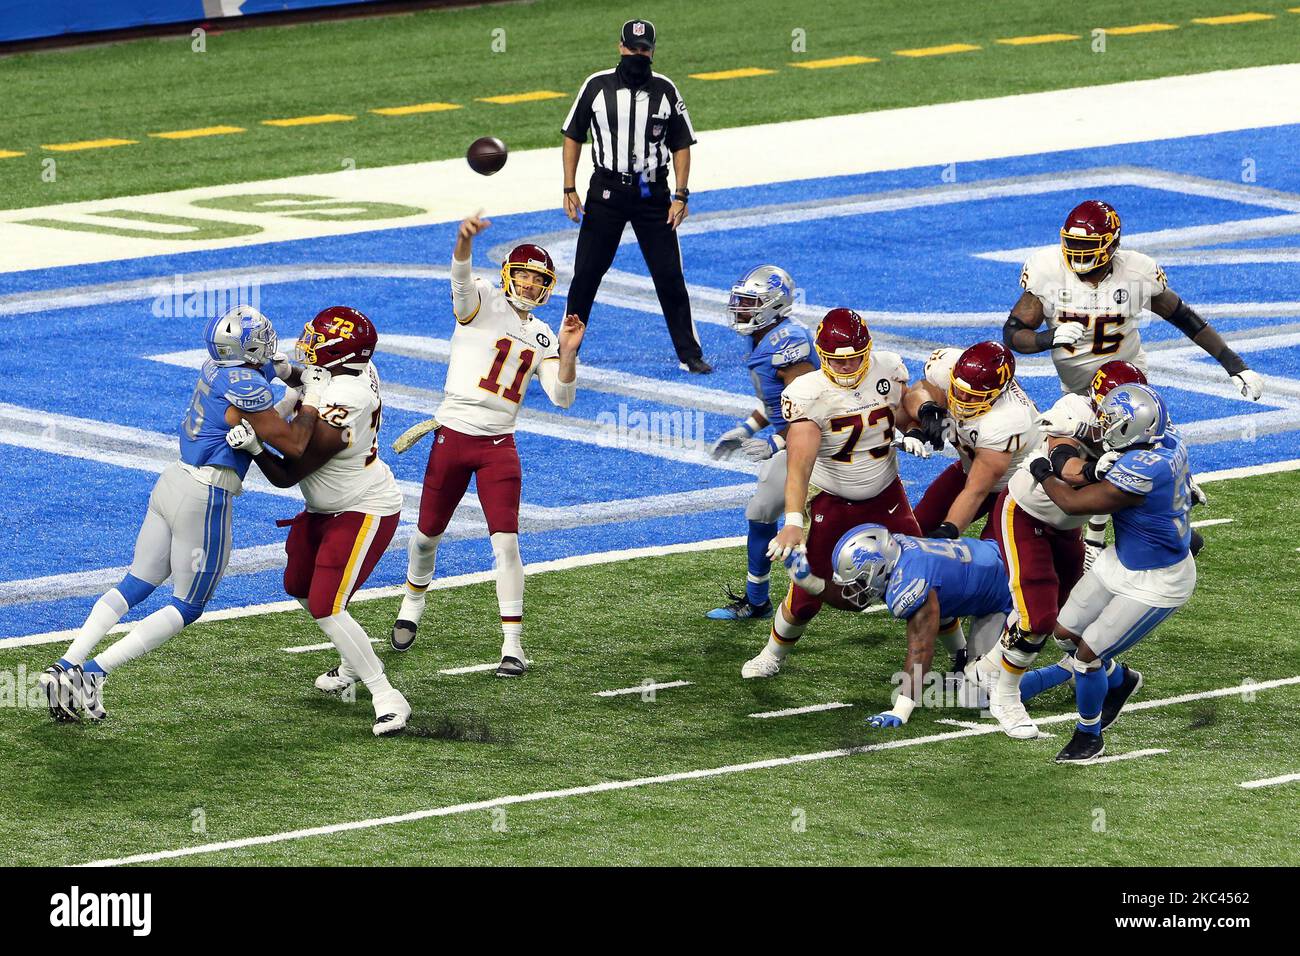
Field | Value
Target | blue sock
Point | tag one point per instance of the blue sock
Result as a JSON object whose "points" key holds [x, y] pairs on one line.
{"points": [[66, 664], [1114, 676], [761, 534], [1045, 678], [92, 667], [1089, 692]]}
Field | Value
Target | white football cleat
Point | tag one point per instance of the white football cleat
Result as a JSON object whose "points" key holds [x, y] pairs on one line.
{"points": [[336, 680], [765, 664], [1011, 714], [391, 713], [983, 673]]}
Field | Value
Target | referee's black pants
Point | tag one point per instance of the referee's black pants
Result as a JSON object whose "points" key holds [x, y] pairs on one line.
{"points": [[602, 228]]}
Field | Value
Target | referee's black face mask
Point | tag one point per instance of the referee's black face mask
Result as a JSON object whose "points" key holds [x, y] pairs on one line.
{"points": [[634, 69]]}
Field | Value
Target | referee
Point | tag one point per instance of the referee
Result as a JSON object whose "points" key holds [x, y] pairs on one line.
{"points": [[637, 121]]}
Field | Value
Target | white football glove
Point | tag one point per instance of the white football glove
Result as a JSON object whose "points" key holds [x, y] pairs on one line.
{"points": [[1105, 462], [1060, 425], [757, 449], [1249, 383], [913, 445], [286, 406], [314, 381], [1199, 497], [243, 438], [283, 367], [1068, 334], [730, 440]]}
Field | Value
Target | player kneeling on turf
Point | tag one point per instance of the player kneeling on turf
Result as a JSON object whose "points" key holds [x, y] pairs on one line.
{"points": [[353, 502], [497, 349], [929, 582]]}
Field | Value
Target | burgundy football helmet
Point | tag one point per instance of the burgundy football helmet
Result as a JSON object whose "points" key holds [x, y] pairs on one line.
{"points": [[1111, 375], [338, 337], [534, 259], [983, 372], [843, 334], [1090, 236]]}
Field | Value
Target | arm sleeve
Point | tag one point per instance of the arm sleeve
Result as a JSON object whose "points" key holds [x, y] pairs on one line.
{"points": [[548, 373], [465, 299], [579, 119], [680, 131]]}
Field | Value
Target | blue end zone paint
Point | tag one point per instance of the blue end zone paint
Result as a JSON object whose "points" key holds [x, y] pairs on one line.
{"points": [[73, 515]]}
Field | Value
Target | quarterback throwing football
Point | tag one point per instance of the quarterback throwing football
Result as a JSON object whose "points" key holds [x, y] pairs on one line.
{"points": [[497, 349]]}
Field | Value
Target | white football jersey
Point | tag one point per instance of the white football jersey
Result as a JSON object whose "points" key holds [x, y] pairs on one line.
{"points": [[1110, 311], [1008, 426], [1029, 494], [355, 479], [495, 355], [856, 459]]}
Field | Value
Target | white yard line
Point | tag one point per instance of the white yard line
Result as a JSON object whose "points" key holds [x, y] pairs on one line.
{"points": [[968, 724], [1269, 782], [307, 648], [1131, 755], [612, 785], [810, 709], [1210, 522], [642, 688], [471, 669]]}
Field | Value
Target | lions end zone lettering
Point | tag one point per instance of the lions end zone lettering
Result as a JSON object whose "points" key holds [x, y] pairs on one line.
{"points": [[290, 205], [76, 909]]}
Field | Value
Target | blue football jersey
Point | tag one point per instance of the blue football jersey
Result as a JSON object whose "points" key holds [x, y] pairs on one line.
{"points": [[1158, 532], [203, 428], [967, 574], [786, 343]]}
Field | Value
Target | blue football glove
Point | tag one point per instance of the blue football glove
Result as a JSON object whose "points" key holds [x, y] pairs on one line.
{"points": [[796, 562], [885, 720]]}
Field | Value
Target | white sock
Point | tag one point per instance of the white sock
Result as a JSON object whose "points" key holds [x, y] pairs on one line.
{"points": [[354, 647], [788, 633], [153, 632], [510, 592], [108, 610], [1095, 531], [421, 558]]}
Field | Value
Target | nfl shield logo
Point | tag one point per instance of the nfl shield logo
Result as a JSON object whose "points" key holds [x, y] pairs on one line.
{"points": [[604, 194], [638, 29], [656, 129]]}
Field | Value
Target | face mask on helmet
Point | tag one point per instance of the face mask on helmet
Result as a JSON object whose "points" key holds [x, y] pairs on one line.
{"points": [[966, 402], [527, 295], [243, 336], [1132, 415], [338, 338], [863, 562], [761, 299]]}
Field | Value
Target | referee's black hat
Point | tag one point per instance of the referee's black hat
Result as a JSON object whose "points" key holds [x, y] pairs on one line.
{"points": [[639, 33]]}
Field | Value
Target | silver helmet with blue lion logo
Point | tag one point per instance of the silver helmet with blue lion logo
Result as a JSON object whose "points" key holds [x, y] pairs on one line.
{"points": [[1132, 415], [762, 298], [862, 561]]}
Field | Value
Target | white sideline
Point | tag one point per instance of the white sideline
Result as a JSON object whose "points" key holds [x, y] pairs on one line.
{"points": [[1131, 755], [810, 709], [1269, 782], [560, 564], [641, 688], [612, 785]]}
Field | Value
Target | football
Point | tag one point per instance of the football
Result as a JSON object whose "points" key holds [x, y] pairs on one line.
{"points": [[486, 155]]}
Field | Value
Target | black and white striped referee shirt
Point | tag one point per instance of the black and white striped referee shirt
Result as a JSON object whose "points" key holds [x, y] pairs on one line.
{"points": [[632, 131]]}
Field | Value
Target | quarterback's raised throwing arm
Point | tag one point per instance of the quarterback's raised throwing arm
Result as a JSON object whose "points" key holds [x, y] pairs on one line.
{"points": [[1090, 293]]}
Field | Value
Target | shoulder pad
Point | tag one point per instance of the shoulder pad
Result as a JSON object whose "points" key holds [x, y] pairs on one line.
{"points": [[249, 395]]}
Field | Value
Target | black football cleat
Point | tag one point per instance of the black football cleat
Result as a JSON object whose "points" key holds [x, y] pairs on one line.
{"points": [[403, 635], [1118, 697], [58, 694], [696, 366], [511, 667], [1082, 748], [738, 608]]}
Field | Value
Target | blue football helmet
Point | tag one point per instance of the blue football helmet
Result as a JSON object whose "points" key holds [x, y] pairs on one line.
{"points": [[863, 560], [243, 336]]}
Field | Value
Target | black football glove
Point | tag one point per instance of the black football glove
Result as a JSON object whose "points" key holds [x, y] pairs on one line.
{"points": [[1040, 468], [946, 530], [931, 419]]}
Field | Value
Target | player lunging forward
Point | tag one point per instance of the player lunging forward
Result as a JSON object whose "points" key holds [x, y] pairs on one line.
{"points": [[1091, 293], [1144, 482], [924, 581], [186, 531], [842, 467], [781, 349], [353, 502], [497, 349]]}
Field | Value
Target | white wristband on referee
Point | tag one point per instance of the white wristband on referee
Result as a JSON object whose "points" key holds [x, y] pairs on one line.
{"points": [[794, 519]]}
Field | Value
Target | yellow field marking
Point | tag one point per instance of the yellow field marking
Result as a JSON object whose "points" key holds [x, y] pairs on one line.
{"points": [[1233, 18], [835, 61], [417, 108], [201, 131], [309, 120], [509, 98], [938, 50], [9, 154], [87, 144], [1040, 38], [1139, 28], [732, 74]]}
